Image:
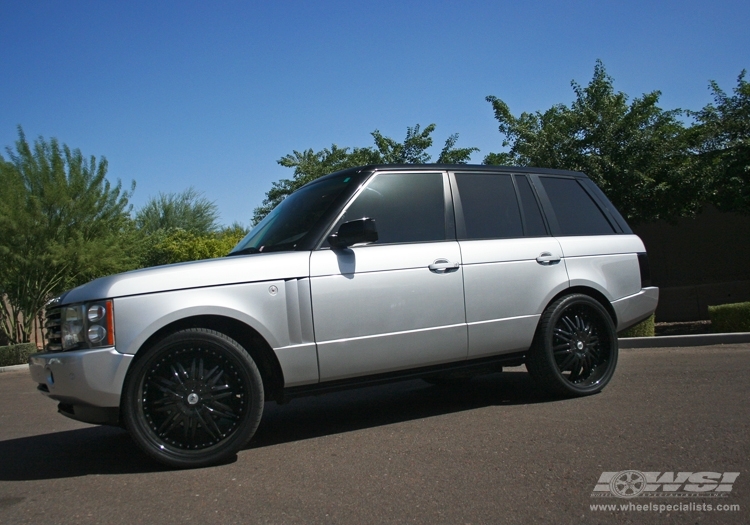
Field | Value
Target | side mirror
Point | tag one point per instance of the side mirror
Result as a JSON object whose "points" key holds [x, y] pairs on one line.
{"points": [[354, 232]]}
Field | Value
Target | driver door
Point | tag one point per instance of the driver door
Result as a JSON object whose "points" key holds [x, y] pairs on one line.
{"points": [[397, 303]]}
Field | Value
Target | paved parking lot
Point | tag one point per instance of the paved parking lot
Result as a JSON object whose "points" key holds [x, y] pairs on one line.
{"points": [[494, 451]]}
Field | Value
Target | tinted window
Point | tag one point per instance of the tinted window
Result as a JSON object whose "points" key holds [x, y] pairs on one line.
{"points": [[489, 205], [532, 215], [576, 213], [407, 207], [291, 220]]}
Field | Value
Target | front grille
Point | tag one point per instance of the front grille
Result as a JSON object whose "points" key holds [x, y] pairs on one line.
{"points": [[52, 330]]}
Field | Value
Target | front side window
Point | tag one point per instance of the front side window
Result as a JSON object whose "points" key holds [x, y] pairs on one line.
{"points": [[292, 219], [407, 207]]}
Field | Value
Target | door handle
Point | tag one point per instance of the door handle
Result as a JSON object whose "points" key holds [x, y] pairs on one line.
{"points": [[443, 266], [547, 259]]}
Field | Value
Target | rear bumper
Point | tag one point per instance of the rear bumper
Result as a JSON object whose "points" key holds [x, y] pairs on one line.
{"points": [[83, 378], [635, 308]]}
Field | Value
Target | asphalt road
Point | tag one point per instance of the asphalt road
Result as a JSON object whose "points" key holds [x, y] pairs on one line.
{"points": [[495, 451]]}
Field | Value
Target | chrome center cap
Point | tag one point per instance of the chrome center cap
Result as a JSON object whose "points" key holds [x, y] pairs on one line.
{"points": [[579, 346], [193, 398]]}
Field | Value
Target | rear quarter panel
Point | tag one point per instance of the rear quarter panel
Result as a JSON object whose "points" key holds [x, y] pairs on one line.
{"points": [[607, 263]]}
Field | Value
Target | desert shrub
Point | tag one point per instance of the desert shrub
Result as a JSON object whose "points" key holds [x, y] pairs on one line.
{"points": [[16, 354], [730, 317], [643, 329]]}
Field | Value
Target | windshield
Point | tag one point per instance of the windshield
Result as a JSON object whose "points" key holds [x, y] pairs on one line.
{"points": [[293, 218]]}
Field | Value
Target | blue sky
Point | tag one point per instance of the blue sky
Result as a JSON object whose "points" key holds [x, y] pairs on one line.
{"points": [[211, 94]]}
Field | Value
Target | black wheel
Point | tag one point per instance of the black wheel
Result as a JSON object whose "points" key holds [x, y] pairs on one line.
{"points": [[574, 352], [194, 399]]}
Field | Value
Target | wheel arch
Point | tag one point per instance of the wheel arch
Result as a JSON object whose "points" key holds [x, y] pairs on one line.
{"points": [[247, 337], [591, 292]]}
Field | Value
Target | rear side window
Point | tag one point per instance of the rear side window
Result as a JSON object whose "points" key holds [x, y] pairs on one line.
{"points": [[490, 207], [407, 207], [576, 212]]}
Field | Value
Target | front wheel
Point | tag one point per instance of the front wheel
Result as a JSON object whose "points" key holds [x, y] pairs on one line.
{"points": [[194, 399], [574, 352]]}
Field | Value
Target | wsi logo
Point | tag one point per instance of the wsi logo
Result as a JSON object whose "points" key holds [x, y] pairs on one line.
{"points": [[634, 483]]}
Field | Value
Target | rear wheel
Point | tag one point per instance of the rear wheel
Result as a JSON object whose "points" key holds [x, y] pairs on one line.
{"points": [[575, 347], [193, 400]]}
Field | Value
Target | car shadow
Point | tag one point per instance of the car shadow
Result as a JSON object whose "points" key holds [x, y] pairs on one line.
{"points": [[356, 409], [110, 450], [72, 453]]}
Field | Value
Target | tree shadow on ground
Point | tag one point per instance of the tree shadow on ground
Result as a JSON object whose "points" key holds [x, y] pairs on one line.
{"points": [[110, 450]]}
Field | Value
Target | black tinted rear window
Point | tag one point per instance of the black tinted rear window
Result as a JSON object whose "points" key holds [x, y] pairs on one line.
{"points": [[576, 212], [490, 207]]}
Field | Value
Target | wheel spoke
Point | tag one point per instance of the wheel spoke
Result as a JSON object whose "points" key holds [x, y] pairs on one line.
{"points": [[221, 410], [569, 361], [169, 391], [166, 404], [215, 379], [176, 373], [587, 365], [188, 433], [212, 397], [169, 424], [210, 425]]}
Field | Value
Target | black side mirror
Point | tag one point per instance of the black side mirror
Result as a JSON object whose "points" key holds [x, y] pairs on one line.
{"points": [[354, 232]]}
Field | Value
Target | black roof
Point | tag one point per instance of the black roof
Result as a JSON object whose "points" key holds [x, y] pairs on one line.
{"points": [[460, 167]]}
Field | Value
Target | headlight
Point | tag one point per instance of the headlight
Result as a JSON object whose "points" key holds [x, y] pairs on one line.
{"points": [[88, 325]]}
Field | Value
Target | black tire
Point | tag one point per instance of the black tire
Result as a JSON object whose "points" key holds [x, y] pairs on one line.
{"points": [[193, 400], [574, 352]]}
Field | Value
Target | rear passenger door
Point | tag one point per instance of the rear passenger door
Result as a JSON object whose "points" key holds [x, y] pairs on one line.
{"points": [[512, 265], [397, 303]]}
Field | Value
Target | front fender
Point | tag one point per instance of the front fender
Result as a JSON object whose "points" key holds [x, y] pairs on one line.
{"points": [[262, 306]]}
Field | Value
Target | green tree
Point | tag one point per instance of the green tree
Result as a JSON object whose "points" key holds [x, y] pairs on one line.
{"points": [[174, 246], [188, 210], [638, 153], [309, 165], [722, 132], [61, 224]]}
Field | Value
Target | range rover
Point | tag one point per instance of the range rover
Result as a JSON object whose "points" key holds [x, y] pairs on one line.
{"points": [[366, 275]]}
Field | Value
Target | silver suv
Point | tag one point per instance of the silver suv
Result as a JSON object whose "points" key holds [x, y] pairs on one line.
{"points": [[365, 275]]}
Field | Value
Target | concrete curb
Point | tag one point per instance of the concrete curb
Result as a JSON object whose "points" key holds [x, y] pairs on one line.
{"points": [[13, 368], [666, 341]]}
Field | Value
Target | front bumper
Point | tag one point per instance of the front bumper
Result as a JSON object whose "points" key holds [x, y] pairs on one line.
{"points": [[81, 378]]}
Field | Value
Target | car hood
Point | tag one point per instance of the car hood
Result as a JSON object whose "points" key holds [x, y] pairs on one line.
{"points": [[196, 274]]}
